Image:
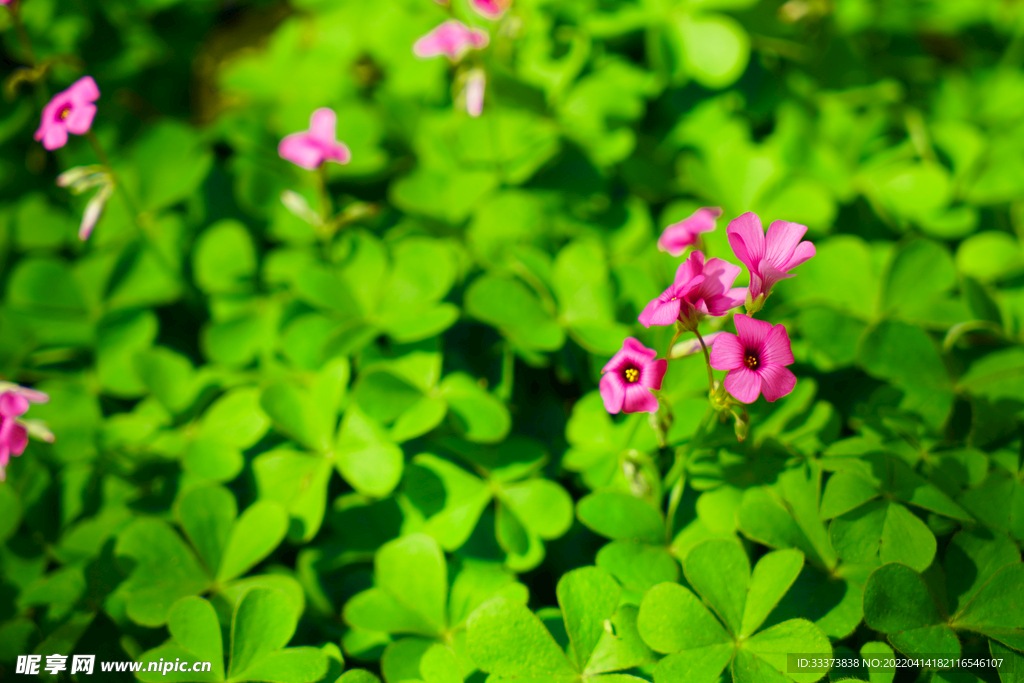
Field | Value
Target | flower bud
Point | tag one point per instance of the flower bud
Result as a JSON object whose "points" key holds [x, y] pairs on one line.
{"points": [[299, 207]]}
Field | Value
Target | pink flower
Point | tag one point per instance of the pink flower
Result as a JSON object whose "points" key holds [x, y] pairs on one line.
{"points": [[678, 236], [14, 403], [473, 92], [452, 38], [699, 289], [309, 149], [490, 9], [755, 358], [769, 260], [628, 378], [69, 111]]}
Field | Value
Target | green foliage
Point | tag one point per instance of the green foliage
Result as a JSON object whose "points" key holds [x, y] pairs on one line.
{"points": [[373, 447]]}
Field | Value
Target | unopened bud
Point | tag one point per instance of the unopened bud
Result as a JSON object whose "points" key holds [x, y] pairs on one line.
{"points": [[692, 346], [299, 207], [93, 211], [39, 430], [742, 424], [82, 178], [754, 305]]}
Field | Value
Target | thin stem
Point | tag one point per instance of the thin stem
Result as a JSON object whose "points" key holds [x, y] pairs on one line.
{"points": [[23, 37], [707, 362], [133, 209], [675, 338], [105, 160], [325, 197], [675, 477]]}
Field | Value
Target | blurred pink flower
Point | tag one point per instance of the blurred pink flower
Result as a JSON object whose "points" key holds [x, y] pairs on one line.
{"points": [[678, 236], [14, 403], [309, 149], [768, 259], [453, 39], [69, 111], [699, 289], [473, 92], [755, 357], [628, 378], [490, 9]]}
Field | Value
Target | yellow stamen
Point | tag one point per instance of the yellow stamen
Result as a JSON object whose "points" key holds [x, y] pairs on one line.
{"points": [[751, 361], [632, 375]]}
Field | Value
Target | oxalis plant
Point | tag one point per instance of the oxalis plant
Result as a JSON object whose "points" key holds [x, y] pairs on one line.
{"points": [[425, 341]]}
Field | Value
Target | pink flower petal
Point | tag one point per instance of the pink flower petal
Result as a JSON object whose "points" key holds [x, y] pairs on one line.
{"points": [[803, 252], [746, 237], [678, 236], [33, 395], [338, 152], [659, 312], [13, 404], [322, 124], [769, 276], [689, 269], [310, 148], [613, 392], [452, 39], [744, 384], [776, 382], [84, 90], [633, 345], [80, 118], [727, 352], [17, 438], [653, 373], [301, 150], [751, 332], [782, 239], [490, 9], [639, 400], [55, 137], [777, 349]]}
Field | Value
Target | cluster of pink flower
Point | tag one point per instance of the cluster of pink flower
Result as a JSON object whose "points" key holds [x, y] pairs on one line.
{"points": [[453, 39], [14, 431], [755, 357]]}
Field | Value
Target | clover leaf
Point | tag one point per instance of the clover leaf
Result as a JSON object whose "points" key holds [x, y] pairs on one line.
{"points": [[262, 623], [511, 643], [409, 394], [700, 642], [787, 515], [223, 547], [411, 597], [983, 593], [606, 453], [373, 291], [861, 497], [447, 501]]}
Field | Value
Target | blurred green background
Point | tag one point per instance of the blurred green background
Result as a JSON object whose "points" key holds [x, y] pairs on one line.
{"points": [[429, 371]]}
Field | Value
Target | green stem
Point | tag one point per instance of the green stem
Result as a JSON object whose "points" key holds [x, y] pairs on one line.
{"points": [[675, 338], [325, 198], [707, 363], [97, 148], [133, 209], [23, 37], [675, 477]]}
